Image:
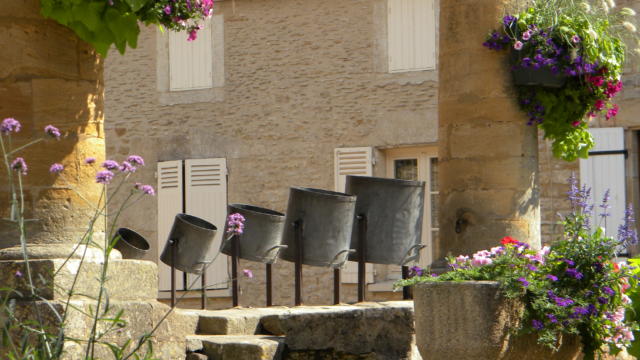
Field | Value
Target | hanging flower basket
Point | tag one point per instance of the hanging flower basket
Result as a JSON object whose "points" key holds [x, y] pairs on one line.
{"points": [[542, 76]]}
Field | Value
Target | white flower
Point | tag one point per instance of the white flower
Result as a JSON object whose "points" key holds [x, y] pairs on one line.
{"points": [[585, 6], [611, 3], [605, 7], [629, 26], [592, 33], [627, 12]]}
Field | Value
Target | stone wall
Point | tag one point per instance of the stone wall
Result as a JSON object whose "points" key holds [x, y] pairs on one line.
{"points": [[301, 78]]}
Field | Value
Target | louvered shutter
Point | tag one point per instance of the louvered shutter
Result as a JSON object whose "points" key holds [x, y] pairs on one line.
{"points": [[411, 31], [352, 161], [606, 171], [169, 204], [206, 197], [191, 62]]}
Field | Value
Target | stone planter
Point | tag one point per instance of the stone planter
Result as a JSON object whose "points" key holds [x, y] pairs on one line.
{"points": [[472, 321]]}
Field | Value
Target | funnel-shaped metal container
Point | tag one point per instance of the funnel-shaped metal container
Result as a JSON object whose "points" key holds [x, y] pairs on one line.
{"points": [[394, 210], [131, 244], [193, 239], [262, 235], [327, 220]]}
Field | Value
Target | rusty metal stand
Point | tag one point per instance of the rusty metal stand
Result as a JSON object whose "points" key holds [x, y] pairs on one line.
{"points": [[298, 228], [235, 251], [173, 243], [269, 286], [336, 286], [406, 291], [362, 245], [203, 294]]}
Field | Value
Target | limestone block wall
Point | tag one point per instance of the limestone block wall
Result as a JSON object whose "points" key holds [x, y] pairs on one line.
{"points": [[301, 78]]}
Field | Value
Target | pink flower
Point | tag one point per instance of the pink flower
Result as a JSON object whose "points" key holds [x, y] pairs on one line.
{"points": [[597, 80], [599, 105], [518, 45], [481, 261], [575, 123], [526, 35], [19, 165], [9, 125], [193, 34], [248, 273], [612, 112], [167, 9], [148, 190], [575, 39]]}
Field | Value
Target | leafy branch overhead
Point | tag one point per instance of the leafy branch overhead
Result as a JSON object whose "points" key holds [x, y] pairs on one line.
{"points": [[115, 22]]}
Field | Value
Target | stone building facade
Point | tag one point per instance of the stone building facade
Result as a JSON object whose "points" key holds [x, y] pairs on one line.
{"points": [[292, 81]]}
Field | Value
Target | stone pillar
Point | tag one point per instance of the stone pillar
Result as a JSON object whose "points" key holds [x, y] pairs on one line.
{"points": [[49, 76], [488, 155]]}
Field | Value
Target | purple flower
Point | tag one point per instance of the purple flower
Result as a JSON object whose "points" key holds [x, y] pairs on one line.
{"points": [[9, 125], [626, 231], [537, 324], [19, 165], [523, 281], [605, 204], [235, 224], [508, 20], [603, 300], [167, 9], [18, 273], [552, 318], [136, 160], [574, 273], [104, 177], [526, 35], [581, 311], [52, 131], [416, 271], [248, 273], [90, 160], [148, 190], [609, 291], [563, 302], [569, 262], [552, 277], [110, 165], [518, 45], [56, 168], [126, 167], [532, 267], [575, 39]]}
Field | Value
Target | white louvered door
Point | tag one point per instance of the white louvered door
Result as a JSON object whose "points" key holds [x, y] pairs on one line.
{"points": [[411, 31], [352, 161], [169, 204], [191, 62], [606, 171], [206, 197]]}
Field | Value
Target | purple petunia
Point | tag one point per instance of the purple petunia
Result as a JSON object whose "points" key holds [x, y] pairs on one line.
{"points": [[574, 273], [9, 125], [56, 168], [19, 165], [523, 281], [416, 271], [52, 131], [104, 177], [552, 318], [609, 291], [552, 277], [603, 300], [537, 324]]}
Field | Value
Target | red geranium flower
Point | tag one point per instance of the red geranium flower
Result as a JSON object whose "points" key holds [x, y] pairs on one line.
{"points": [[509, 240]]}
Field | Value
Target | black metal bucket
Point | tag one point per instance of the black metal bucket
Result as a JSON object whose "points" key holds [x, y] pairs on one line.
{"points": [[131, 244], [262, 235], [327, 220], [394, 210], [193, 238]]}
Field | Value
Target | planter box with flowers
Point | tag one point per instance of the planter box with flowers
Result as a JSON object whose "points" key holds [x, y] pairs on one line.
{"points": [[513, 302], [566, 59]]}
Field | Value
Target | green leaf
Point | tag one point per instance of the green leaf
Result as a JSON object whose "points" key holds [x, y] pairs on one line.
{"points": [[136, 4]]}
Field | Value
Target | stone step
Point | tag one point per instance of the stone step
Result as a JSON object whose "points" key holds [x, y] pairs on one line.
{"points": [[236, 321], [236, 347]]}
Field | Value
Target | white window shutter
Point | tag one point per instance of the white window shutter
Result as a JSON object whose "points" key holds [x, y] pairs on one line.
{"points": [[169, 204], [602, 172], [352, 161], [206, 198], [191, 62], [411, 31]]}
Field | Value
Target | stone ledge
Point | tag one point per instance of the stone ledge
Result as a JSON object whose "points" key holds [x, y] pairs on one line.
{"points": [[231, 347], [237, 321], [127, 279]]}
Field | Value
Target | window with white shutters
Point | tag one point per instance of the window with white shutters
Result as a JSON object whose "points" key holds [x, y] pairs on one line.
{"points": [[170, 203], [206, 197], [605, 169], [191, 62], [352, 161], [201, 191], [411, 35]]}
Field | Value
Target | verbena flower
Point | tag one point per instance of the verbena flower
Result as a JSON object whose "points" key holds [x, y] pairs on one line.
{"points": [[136, 160], [104, 177], [56, 168], [19, 165], [52, 131], [235, 224], [126, 167], [9, 125], [148, 190], [110, 165]]}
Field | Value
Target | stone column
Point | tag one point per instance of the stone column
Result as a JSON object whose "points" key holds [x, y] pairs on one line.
{"points": [[488, 155], [49, 76]]}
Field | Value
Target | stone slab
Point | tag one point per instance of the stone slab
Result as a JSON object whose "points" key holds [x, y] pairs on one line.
{"points": [[235, 321], [384, 330], [235, 347], [126, 279]]}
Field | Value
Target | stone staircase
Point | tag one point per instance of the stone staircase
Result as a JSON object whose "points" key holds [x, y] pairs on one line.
{"points": [[355, 332]]}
